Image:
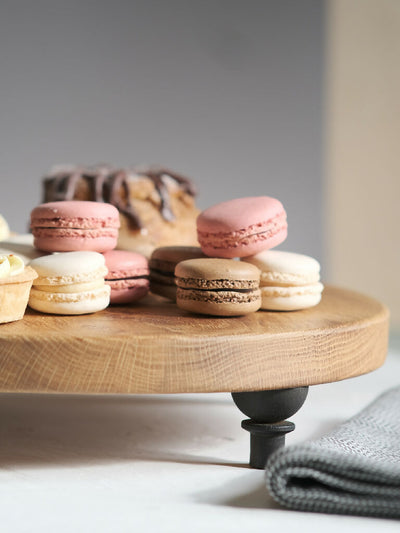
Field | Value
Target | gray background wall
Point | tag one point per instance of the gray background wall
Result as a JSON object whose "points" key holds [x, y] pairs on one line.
{"points": [[228, 92]]}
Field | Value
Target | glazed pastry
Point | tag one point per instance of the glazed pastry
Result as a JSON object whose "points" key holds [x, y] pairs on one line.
{"points": [[156, 205], [162, 264], [15, 284], [242, 227], [289, 281], [70, 226], [127, 276], [219, 287], [70, 283]]}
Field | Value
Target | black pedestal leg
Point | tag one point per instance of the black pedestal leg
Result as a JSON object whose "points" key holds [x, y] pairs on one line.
{"points": [[267, 411]]}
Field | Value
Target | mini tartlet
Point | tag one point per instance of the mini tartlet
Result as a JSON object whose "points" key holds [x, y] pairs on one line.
{"points": [[15, 285]]}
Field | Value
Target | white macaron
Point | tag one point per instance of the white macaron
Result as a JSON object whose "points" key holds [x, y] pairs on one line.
{"points": [[70, 283], [288, 281]]}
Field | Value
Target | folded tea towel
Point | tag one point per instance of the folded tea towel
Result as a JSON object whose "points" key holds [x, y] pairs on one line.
{"points": [[354, 469]]}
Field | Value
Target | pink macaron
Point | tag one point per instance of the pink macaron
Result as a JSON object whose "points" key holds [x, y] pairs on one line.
{"points": [[128, 276], [70, 226], [242, 227]]}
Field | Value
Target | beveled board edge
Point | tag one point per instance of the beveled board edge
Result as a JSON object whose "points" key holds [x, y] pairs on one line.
{"points": [[299, 359]]}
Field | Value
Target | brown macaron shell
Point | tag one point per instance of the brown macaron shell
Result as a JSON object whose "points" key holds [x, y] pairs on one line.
{"points": [[219, 287], [162, 265]]}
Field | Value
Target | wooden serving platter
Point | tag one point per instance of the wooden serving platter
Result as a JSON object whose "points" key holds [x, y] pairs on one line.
{"points": [[154, 347]]}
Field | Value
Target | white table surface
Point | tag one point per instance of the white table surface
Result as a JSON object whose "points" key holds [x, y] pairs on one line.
{"points": [[159, 463]]}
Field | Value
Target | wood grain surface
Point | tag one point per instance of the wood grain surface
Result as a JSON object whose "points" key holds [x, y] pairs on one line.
{"points": [[154, 347]]}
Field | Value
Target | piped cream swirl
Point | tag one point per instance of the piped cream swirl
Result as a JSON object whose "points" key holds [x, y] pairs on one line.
{"points": [[11, 265]]}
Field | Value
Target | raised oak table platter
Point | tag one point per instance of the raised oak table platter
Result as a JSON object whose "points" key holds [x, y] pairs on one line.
{"points": [[153, 347]]}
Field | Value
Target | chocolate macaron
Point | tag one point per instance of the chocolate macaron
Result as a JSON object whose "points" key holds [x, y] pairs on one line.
{"points": [[162, 265], [219, 287]]}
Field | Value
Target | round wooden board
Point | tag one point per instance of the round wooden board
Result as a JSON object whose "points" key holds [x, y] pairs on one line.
{"points": [[154, 347]]}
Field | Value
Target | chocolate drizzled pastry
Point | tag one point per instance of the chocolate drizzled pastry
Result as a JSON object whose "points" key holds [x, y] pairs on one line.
{"points": [[111, 185]]}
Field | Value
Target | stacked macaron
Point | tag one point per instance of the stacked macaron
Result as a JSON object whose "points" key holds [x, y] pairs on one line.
{"points": [[83, 234], [70, 226], [246, 229]]}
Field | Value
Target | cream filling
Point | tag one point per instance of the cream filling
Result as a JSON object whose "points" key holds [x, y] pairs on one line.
{"points": [[213, 284], [286, 292], [219, 297], [82, 277], [284, 279], [72, 297], [71, 288]]}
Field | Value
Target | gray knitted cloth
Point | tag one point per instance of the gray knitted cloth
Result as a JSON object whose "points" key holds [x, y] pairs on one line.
{"points": [[355, 469]]}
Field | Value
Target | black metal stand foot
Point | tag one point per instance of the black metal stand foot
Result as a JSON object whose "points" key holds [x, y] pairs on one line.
{"points": [[265, 439], [267, 425]]}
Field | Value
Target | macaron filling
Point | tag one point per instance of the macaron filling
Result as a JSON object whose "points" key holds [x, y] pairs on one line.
{"points": [[72, 287], [75, 223], [284, 279], [127, 283], [287, 292], [49, 278], [69, 297], [271, 226], [221, 296], [217, 284], [89, 233], [123, 282], [124, 277]]}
